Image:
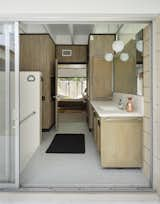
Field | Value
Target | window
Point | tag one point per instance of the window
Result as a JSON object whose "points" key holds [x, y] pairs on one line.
{"points": [[71, 88]]}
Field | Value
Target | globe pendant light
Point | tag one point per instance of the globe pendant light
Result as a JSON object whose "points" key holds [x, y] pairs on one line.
{"points": [[124, 57], [108, 57], [139, 45], [118, 45]]}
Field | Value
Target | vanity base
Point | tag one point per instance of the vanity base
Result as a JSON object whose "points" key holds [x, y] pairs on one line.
{"points": [[121, 142]]}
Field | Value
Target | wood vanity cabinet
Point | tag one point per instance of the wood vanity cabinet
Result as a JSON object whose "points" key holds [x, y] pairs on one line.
{"points": [[121, 142]]}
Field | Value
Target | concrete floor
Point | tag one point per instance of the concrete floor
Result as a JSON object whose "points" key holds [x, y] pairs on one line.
{"points": [[79, 198], [75, 170]]}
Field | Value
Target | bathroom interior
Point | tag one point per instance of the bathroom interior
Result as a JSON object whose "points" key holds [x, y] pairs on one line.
{"points": [[92, 82]]}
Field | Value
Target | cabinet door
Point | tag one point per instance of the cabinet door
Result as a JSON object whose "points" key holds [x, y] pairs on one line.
{"points": [[121, 143]]}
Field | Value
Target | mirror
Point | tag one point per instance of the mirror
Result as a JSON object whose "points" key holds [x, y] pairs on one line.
{"points": [[128, 65]]}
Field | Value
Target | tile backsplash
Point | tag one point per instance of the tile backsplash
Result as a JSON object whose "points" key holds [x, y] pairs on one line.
{"points": [[138, 101]]}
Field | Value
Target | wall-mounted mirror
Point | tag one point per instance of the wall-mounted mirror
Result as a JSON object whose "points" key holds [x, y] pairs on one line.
{"points": [[128, 64]]}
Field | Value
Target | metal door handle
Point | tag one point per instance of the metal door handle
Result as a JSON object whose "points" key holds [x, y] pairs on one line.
{"points": [[28, 116]]}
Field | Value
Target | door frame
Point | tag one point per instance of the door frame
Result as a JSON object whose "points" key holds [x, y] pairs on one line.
{"points": [[89, 18], [16, 112], [56, 95]]}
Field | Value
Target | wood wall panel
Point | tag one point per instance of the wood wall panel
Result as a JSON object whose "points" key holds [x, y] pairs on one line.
{"points": [[125, 79], [102, 78], [79, 54], [37, 53], [48, 113], [98, 46]]}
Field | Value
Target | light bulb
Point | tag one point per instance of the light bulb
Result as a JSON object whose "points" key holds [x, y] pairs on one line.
{"points": [[139, 45], [118, 46], [124, 57], [108, 57]]}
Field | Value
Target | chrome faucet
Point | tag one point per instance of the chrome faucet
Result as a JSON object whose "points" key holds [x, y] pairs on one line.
{"points": [[120, 103]]}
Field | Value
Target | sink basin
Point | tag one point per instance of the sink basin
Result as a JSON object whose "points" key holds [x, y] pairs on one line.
{"points": [[109, 108]]}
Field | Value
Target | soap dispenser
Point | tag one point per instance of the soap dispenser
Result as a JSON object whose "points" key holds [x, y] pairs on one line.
{"points": [[129, 106]]}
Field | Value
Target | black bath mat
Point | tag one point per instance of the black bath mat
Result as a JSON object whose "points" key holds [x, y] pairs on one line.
{"points": [[67, 143]]}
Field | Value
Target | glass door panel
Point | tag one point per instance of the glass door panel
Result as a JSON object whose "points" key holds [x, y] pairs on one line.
{"points": [[9, 105]]}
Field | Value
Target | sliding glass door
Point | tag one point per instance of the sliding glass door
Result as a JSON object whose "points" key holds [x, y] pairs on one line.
{"points": [[9, 105]]}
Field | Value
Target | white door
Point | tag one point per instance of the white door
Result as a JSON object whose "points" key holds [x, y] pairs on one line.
{"points": [[9, 105]]}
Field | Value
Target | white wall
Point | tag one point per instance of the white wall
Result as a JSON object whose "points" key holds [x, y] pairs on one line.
{"points": [[80, 6]]}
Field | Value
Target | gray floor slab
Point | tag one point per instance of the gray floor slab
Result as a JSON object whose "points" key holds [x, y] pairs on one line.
{"points": [[75, 170]]}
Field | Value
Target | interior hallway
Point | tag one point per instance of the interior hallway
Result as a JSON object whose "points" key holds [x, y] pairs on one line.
{"points": [[75, 170]]}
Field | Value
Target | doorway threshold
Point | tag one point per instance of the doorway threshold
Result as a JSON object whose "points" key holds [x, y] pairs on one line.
{"points": [[80, 189]]}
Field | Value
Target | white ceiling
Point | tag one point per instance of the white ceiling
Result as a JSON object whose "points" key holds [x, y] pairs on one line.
{"points": [[78, 33]]}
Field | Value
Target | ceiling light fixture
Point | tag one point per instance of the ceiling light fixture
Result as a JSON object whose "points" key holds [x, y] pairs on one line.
{"points": [[118, 45], [124, 57], [139, 45], [108, 57]]}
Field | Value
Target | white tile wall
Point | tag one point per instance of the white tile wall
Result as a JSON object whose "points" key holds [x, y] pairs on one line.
{"points": [[147, 127], [156, 106]]}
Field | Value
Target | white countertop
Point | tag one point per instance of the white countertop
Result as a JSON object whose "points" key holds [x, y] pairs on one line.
{"points": [[111, 109]]}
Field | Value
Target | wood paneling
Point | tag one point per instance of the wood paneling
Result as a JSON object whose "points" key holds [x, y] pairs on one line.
{"points": [[98, 46], [101, 86], [37, 53], [121, 142], [48, 113], [79, 54], [125, 79], [99, 82]]}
